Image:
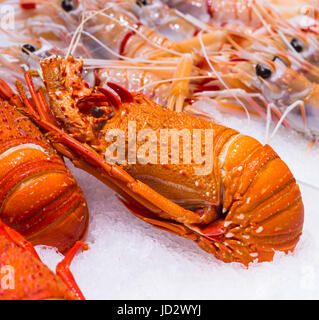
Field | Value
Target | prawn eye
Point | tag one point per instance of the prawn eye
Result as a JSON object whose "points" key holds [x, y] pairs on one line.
{"points": [[263, 71], [68, 5], [142, 2], [297, 44], [96, 112], [26, 48]]}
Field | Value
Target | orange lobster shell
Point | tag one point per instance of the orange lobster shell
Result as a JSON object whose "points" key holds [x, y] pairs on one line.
{"points": [[245, 209], [30, 279], [38, 195]]}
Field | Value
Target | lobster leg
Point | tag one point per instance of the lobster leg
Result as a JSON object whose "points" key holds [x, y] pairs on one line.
{"points": [[63, 269], [147, 216], [33, 280]]}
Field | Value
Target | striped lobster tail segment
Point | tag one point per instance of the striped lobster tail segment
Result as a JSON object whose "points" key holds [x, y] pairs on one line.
{"points": [[38, 195]]}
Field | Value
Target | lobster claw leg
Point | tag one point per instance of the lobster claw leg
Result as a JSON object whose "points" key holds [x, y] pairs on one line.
{"points": [[149, 217]]}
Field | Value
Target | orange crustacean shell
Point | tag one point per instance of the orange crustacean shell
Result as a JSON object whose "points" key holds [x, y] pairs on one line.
{"points": [[38, 195], [245, 209], [24, 276]]}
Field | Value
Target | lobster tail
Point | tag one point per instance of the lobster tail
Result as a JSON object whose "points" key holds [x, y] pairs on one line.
{"points": [[262, 205], [38, 195]]}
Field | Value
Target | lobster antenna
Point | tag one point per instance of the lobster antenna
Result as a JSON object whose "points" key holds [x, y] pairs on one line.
{"points": [[218, 76]]}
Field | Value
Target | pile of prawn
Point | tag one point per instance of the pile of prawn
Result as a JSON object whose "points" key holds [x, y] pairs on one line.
{"points": [[256, 58]]}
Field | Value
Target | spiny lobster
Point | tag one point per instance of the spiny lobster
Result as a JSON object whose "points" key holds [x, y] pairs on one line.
{"points": [[245, 209]]}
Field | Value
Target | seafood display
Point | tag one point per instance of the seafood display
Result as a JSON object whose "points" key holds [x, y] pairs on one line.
{"points": [[114, 87]]}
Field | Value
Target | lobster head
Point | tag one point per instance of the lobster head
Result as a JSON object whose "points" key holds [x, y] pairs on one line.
{"points": [[80, 109]]}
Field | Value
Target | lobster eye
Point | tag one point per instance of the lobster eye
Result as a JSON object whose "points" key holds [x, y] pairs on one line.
{"points": [[27, 48], [297, 44], [263, 71], [68, 5], [96, 112]]}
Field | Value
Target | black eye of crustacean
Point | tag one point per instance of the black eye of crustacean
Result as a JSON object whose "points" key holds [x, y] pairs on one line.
{"points": [[263, 71], [142, 2], [297, 44], [97, 112], [26, 48], [68, 5]]}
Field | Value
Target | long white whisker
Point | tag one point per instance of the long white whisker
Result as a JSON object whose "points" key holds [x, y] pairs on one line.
{"points": [[169, 80], [218, 76], [79, 28], [284, 115], [133, 67], [79, 34]]}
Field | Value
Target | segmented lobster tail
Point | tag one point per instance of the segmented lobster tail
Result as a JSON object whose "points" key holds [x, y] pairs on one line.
{"points": [[262, 205], [38, 195], [24, 276]]}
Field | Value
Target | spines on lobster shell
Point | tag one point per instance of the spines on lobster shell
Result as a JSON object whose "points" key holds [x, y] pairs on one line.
{"points": [[244, 209], [29, 278], [38, 195]]}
